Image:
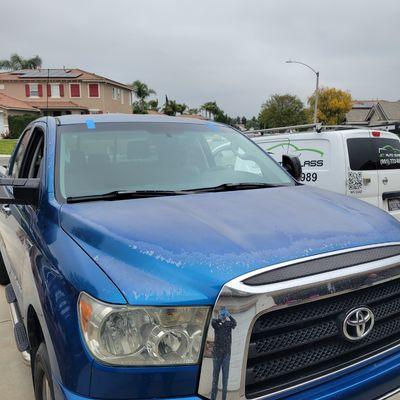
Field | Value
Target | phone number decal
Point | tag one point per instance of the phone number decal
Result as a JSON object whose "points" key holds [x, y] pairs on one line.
{"points": [[309, 177]]}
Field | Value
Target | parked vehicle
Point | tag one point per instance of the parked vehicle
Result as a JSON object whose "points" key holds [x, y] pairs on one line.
{"points": [[144, 263], [361, 163]]}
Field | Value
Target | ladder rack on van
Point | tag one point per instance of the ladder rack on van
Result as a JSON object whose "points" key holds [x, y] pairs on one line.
{"points": [[300, 128]]}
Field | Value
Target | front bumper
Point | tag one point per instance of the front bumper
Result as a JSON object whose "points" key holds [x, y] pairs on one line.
{"points": [[379, 381]]}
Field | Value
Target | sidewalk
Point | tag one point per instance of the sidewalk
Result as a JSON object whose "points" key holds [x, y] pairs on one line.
{"points": [[15, 376]]}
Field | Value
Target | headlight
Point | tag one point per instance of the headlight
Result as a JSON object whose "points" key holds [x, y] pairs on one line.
{"points": [[127, 335]]}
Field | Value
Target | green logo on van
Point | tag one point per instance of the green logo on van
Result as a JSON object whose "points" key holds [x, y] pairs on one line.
{"points": [[388, 147], [320, 152]]}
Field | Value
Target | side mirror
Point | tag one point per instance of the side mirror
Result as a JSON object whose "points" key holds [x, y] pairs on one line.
{"points": [[292, 165], [25, 191]]}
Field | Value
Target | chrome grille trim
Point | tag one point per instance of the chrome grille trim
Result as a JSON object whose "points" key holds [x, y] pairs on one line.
{"points": [[246, 303]]}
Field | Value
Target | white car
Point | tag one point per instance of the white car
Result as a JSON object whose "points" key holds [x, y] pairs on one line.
{"points": [[356, 162]]}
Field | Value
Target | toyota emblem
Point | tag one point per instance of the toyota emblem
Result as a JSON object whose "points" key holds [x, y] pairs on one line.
{"points": [[358, 323]]}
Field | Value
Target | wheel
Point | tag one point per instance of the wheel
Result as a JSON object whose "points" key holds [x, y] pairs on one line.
{"points": [[42, 382], [4, 279]]}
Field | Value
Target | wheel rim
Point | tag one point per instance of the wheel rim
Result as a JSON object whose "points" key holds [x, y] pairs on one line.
{"points": [[46, 392]]}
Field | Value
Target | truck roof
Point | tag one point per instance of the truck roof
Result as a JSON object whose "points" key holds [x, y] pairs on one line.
{"points": [[82, 119]]}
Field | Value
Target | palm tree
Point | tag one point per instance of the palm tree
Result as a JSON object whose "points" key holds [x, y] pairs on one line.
{"points": [[17, 62], [193, 111], [211, 109], [142, 92], [171, 107], [153, 104], [182, 108]]}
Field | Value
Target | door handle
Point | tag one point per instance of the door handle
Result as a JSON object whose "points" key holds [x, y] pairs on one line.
{"points": [[385, 180], [5, 208], [366, 181]]}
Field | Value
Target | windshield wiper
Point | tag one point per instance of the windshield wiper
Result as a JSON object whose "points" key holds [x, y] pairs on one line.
{"points": [[125, 194], [236, 186]]}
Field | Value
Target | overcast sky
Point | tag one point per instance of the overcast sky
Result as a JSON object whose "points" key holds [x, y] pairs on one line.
{"points": [[231, 51]]}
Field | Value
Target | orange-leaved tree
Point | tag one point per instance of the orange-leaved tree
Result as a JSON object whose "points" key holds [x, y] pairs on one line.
{"points": [[333, 104]]}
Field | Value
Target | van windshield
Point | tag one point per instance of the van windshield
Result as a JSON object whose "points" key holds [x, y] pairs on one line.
{"points": [[366, 154], [139, 156]]}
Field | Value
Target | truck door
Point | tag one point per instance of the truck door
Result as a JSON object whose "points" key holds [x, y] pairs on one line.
{"points": [[16, 219], [9, 226], [388, 154], [362, 174]]}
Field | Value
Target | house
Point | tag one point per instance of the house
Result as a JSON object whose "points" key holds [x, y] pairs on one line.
{"points": [[375, 113], [359, 111], [66, 91], [384, 112], [11, 106]]}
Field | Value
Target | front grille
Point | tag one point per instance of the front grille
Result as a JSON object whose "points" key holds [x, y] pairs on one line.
{"points": [[296, 344]]}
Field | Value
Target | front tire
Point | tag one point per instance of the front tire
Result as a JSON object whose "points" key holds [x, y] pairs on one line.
{"points": [[42, 382], [4, 279]]}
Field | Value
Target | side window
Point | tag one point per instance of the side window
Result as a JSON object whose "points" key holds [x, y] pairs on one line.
{"points": [[366, 154], [388, 153], [362, 154], [33, 156], [18, 157]]}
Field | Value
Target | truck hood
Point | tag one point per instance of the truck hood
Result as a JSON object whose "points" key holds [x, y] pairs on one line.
{"points": [[183, 249]]}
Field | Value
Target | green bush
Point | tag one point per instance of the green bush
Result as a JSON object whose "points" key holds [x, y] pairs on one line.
{"points": [[17, 124]]}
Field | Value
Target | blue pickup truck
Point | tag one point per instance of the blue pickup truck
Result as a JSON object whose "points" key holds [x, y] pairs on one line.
{"points": [[158, 257]]}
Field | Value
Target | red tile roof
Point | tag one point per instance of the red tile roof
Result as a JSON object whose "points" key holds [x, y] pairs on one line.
{"points": [[55, 105], [77, 75], [10, 103]]}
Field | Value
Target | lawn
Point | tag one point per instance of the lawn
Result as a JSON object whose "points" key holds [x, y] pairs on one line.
{"points": [[7, 145]]}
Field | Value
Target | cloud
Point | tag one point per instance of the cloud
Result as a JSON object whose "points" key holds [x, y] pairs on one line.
{"points": [[232, 51]]}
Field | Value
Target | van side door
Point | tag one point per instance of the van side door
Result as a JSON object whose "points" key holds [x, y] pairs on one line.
{"points": [[362, 174], [314, 152]]}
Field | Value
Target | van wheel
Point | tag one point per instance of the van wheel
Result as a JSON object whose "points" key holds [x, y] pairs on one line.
{"points": [[4, 279], [42, 382]]}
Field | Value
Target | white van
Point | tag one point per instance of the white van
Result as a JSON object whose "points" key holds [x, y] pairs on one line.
{"points": [[357, 162]]}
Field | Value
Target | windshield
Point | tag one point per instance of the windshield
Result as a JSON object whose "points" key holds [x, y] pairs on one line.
{"points": [[140, 156]]}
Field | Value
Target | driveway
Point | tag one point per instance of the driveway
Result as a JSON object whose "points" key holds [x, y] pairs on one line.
{"points": [[4, 160], [15, 376]]}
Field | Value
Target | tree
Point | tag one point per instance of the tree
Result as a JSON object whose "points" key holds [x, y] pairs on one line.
{"points": [[252, 124], [17, 62], [333, 104], [171, 107], [282, 110], [153, 104], [142, 92], [244, 120], [211, 109], [181, 108], [193, 111]]}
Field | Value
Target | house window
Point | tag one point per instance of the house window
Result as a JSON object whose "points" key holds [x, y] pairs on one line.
{"points": [[122, 97], [55, 90], [75, 90], [116, 93], [94, 90], [33, 90]]}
